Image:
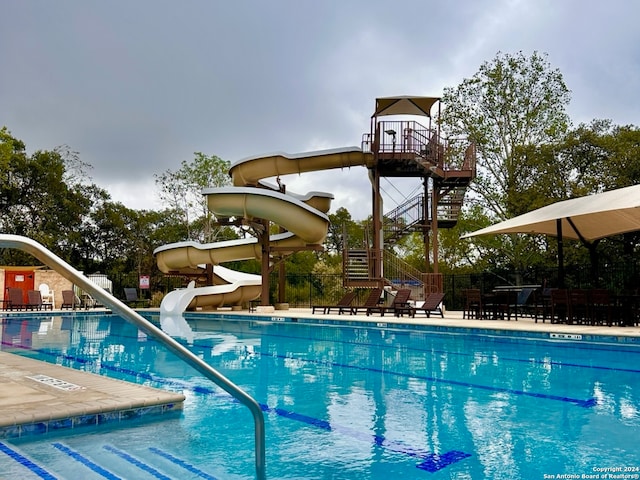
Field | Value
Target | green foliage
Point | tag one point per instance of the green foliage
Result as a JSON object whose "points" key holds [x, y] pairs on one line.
{"points": [[513, 108], [181, 191], [341, 223], [512, 103], [35, 199]]}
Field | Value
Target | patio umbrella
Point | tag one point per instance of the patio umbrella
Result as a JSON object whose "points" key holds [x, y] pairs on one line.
{"points": [[587, 219]]}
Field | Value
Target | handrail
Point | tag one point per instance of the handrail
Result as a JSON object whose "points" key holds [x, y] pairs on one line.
{"points": [[48, 258]]}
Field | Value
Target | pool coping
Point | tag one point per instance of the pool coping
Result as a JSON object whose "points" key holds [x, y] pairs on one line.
{"points": [[453, 322]]}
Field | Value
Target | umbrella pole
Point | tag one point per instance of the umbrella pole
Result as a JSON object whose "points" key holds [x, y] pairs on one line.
{"points": [[560, 254]]}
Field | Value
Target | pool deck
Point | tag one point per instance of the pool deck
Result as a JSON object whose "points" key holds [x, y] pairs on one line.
{"points": [[453, 319], [37, 397]]}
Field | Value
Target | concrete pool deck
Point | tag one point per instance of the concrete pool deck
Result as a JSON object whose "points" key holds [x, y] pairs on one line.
{"points": [[37, 397], [454, 319]]}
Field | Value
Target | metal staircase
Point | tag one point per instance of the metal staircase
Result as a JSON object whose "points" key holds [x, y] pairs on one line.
{"points": [[358, 268], [404, 219], [414, 215]]}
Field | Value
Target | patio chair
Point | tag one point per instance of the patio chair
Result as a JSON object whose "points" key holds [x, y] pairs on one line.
{"points": [[601, 306], [372, 300], [560, 306], [578, 306], [523, 300], [47, 295], [541, 304], [505, 304], [35, 301], [87, 301], [69, 300], [472, 303], [343, 305], [16, 299], [431, 304], [133, 300]]}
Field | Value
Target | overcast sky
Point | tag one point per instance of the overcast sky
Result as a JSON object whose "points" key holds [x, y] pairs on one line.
{"points": [[137, 86]]}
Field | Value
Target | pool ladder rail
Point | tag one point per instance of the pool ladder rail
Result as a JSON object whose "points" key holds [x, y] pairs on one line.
{"points": [[63, 268]]}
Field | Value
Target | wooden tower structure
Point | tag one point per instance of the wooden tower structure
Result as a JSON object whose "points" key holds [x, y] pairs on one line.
{"points": [[403, 147]]}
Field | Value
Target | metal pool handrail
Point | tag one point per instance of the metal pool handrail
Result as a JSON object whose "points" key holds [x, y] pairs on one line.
{"points": [[48, 258]]}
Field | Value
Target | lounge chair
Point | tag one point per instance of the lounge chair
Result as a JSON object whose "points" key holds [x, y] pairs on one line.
{"points": [[35, 301], [16, 299], [133, 300], [343, 305], [371, 301], [432, 304], [399, 305], [69, 300]]}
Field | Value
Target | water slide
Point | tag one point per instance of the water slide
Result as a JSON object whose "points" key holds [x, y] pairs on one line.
{"points": [[304, 217]]}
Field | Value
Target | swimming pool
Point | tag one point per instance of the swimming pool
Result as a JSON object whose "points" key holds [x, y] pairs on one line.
{"points": [[347, 403]]}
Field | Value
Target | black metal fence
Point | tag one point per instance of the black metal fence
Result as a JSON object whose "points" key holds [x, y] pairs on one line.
{"points": [[312, 289], [315, 289]]}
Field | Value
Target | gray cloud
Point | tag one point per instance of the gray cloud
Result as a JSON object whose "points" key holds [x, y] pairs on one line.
{"points": [[137, 87]]}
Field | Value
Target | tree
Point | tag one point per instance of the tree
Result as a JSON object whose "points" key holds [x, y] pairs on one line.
{"points": [[36, 200], [182, 191], [338, 223], [511, 103], [513, 109]]}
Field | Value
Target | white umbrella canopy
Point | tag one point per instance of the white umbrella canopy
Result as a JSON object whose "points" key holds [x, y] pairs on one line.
{"points": [[587, 218]]}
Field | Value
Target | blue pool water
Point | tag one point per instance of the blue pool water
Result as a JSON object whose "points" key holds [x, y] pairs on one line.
{"points": [[343, 403]]}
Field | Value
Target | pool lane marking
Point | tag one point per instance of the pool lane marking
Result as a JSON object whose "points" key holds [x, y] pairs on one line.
{"points": [[590, 402], [430, 461], [85, 461], [134, 461], [473, 355], [181, 463], [438, 462], [25, 462]]}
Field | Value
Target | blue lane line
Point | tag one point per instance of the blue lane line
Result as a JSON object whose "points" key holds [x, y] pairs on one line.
{"points": [[187, 466], [438, 462], [86, 462], [430, 461], [473, 355], [136, 462], [590, 402], [25, 462]]}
